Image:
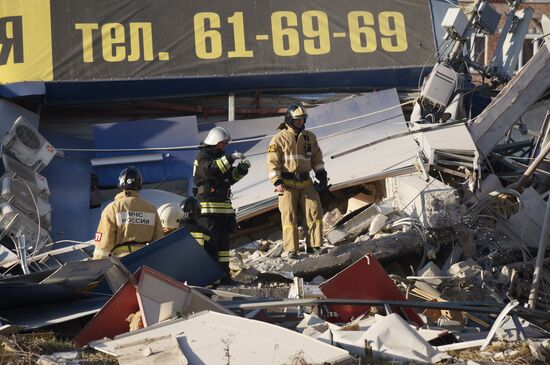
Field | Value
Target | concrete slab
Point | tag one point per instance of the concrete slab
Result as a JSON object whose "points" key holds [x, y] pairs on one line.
{"points": [[432, 202]]}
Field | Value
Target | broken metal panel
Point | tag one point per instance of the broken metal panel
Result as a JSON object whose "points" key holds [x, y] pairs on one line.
{"points": [[391, 337], [526, 225], [432, 202], [111, 319], [161, 297], [365, 279], [52, 313], [449, 146], [77, 275], [179, 256], [510, 42], [163, 350], [530, 83], [7, 257], [545, 21], [338, 126], [17, 295], [54, 259], [215, 338]]}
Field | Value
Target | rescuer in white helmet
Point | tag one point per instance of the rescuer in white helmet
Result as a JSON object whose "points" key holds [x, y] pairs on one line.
{"points": [[213, 175], [170, 217]]}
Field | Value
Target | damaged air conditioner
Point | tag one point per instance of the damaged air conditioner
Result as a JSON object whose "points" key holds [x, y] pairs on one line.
{"points": [[27, 198], [24, 143], [14, 223], [15, 169]]}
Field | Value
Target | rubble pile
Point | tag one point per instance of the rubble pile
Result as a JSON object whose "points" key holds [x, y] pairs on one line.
{"points": [[436, 256]]}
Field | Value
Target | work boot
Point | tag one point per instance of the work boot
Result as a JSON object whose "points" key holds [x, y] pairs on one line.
{"points": [[314, 250], [293, 255]]}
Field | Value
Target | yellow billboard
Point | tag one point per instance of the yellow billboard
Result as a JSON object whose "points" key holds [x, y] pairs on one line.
{"points": [[25, 41]]}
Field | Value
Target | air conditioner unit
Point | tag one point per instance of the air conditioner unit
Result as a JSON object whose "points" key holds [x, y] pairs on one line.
{"points": [[25, 144], [12, 167], [14, 223], [7, 257], [26, 198], [455, 22], [440, 85]]}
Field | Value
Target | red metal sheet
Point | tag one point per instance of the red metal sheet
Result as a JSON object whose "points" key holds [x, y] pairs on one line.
{"points": [[110, 321], [364, 279]]}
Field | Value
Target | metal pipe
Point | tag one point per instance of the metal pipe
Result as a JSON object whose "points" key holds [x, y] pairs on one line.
{"points": [[22, 253], [533, 166], [457, 48], [231, 107], [544, 238]]}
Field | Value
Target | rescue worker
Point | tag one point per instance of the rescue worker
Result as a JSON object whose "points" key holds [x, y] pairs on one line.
{"points": [[292, 154], [213, 175], [129, 222], [171, 216], [191, 209]]}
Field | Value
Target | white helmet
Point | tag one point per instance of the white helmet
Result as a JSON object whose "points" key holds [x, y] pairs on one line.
{"points": [[216, 135], [170, 215]]}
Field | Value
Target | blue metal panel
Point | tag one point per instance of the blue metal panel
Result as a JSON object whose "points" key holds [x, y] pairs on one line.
{"points": [[74, 92], [16, 295], [69, 181], [51, 313], [439, 9], [169, 132], [177, 255], [19, 89]]}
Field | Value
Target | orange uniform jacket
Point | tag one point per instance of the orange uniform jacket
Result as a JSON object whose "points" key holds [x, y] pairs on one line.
{"points": [[127, 219], [287, 152]]}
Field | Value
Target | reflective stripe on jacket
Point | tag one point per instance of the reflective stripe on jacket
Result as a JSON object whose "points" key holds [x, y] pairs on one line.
{"points": [[213, 176], [128, 218], [200, 237], [293, 152]]}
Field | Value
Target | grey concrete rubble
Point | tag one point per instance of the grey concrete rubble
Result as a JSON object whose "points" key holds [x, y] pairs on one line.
{"points": [[432, 202], [356, 225], [446, 209]]}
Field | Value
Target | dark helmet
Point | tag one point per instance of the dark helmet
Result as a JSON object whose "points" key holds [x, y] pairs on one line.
{"points": [[191, 209], [130, 179], [294, 112]]}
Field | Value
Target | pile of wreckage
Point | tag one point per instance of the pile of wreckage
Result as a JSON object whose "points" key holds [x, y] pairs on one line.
{"points": [[435, 246]]}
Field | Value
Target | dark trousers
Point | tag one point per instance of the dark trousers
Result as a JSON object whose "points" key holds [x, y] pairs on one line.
{"points": [[219, 227]]}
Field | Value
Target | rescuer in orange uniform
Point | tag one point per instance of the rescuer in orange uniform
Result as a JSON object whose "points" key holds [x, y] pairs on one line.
{"points": [[129, 222], [292, 154]]}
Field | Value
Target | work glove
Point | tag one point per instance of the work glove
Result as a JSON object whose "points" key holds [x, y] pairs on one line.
{"points": [[243, 167], [321, 175], [238, 156]]}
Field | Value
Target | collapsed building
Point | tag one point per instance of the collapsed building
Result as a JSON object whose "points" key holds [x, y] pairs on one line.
{"points": [[436, 222]]}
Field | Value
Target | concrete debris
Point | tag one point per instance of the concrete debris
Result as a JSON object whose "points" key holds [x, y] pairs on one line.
{"points": [[434, 232], [355, 226], [377, 224], [465, 269], [433, 203], [431, 274]]}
